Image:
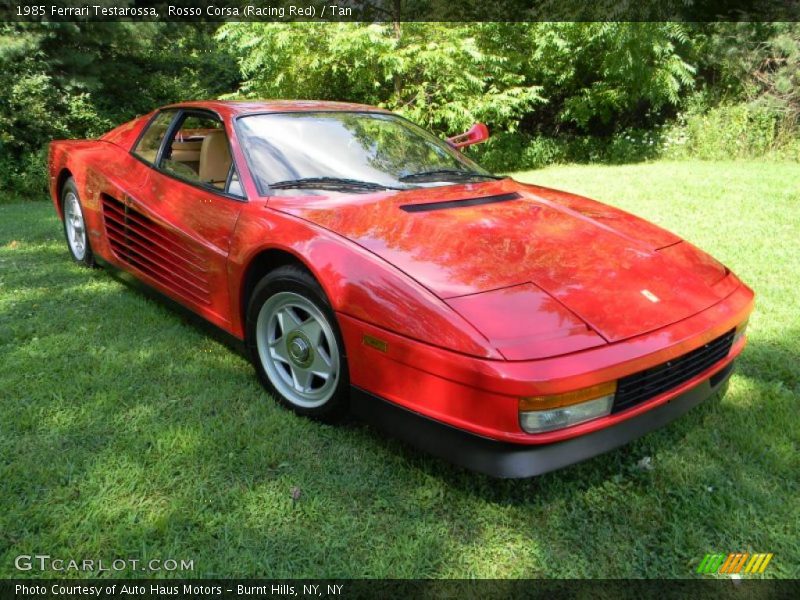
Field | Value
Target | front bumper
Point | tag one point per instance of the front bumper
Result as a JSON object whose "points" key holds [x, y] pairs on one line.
{"points": [[481, 396], [507, 460]]}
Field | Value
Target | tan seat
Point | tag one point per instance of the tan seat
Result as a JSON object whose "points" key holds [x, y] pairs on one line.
{"points": [[186, 151], [215, 158]]}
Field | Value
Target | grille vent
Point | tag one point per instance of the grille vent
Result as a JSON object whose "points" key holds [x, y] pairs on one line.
{"points": [[155, 251], [647, 384]]}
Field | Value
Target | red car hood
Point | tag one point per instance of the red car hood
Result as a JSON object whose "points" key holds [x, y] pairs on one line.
{"points": [[620, 275]]}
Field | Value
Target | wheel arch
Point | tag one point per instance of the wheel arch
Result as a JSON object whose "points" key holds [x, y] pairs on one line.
{"points": [[262, 262], [63, 175], [359, 284]]}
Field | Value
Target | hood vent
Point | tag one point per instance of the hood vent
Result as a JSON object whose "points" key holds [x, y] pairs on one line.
{"points": [[428, 206]]}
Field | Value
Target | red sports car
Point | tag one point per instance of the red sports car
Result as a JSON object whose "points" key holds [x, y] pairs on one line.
{"points": [[370, 267]]}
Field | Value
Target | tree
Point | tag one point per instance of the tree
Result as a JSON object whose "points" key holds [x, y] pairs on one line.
{"points": [[444, 76], [61, 80], [756, 62]]}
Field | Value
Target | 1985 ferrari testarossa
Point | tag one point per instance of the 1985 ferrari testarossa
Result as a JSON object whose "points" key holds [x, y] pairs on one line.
{"points": [[370, 267]]}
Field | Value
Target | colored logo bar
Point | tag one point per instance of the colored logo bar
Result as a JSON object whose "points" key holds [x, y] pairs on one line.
{"points": [[736, 562]]}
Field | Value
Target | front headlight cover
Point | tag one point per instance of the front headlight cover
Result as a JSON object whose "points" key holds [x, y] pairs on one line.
{"points": [[540, 421]]}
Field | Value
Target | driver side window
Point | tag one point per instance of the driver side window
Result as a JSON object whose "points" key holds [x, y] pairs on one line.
{"points": [[198, 152]]}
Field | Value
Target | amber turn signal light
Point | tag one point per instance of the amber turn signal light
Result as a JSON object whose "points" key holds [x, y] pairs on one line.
{"points": [[567, 398], [539, 414]]}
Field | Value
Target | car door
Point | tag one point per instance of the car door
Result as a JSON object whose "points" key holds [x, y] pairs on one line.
{"points": [[178, 225]]}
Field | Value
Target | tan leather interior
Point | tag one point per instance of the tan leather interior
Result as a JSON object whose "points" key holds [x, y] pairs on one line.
{"points": [[215, 158], [186, 151]]}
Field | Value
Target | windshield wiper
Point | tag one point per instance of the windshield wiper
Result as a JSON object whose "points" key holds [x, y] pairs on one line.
{"points": [[329, 182], [446, 175]]}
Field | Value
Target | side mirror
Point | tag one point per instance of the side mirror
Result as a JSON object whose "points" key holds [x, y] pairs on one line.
{"points": [[477, 133]]}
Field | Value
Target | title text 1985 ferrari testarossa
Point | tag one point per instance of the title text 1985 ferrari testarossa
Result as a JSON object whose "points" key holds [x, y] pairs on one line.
{"points": [[370, 267]]}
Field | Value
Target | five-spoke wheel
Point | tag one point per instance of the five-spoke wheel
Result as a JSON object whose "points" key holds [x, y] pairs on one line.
{"points": [[298, 349], [295, 343]]}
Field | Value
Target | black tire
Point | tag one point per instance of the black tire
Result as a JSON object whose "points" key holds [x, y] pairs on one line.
{"points": [[86, 257], [289, 282]]}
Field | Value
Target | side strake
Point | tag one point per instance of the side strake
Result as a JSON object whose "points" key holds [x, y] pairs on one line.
{"points": [[154, 250]]}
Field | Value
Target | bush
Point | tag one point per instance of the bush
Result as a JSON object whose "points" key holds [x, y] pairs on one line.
{"points": [[508, 152], [77, 80], [746, 130], [25, 177], [726, 132], [518, 152]]}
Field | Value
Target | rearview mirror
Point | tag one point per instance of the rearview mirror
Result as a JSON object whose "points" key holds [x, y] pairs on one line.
{"points": [[477, 133]]}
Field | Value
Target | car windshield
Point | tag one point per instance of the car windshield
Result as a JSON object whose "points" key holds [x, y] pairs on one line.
{"points": [[352, 151]]}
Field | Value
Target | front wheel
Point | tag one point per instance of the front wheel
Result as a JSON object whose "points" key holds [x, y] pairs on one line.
{"points": [[295, 344]]}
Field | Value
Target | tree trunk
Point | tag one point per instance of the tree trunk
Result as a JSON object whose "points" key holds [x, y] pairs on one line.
{"points": [[398, 34]]}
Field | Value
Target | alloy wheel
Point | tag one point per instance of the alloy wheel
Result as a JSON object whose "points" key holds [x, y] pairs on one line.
{"points": [[298, 349]]}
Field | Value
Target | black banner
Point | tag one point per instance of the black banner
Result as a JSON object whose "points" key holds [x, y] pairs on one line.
{"points": [[401, 10], [743, 589]]}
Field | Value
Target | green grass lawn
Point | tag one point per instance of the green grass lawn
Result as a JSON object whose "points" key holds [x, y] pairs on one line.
{"points": [[128, 431]]}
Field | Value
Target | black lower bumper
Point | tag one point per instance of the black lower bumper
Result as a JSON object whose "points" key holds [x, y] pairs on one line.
{"points": [[501, 459]]}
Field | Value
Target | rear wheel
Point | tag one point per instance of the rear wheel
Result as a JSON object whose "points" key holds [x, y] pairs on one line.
{"points": [[295, 344], [75, 225]]}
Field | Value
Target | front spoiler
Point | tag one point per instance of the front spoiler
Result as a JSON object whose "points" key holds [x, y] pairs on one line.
{"points": [[505, 460]]}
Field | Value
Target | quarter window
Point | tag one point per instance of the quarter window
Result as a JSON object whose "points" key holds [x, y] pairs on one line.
{"points": [[147, 148], [234, 185]]}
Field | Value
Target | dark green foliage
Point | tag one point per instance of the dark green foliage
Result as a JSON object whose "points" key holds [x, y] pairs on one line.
{"points": [[550, 92], [757, 62], [70, 80], [522, 151], [595, 78]]}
